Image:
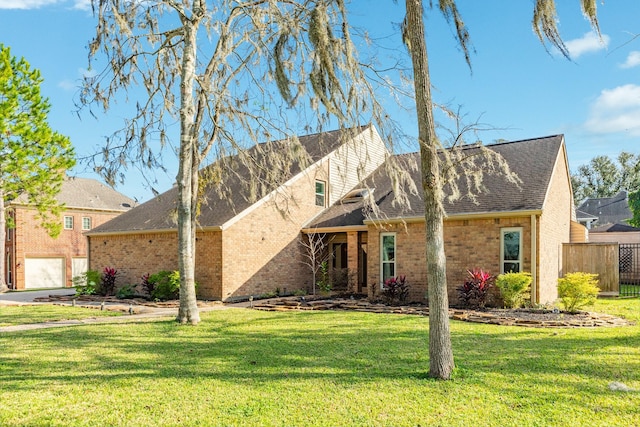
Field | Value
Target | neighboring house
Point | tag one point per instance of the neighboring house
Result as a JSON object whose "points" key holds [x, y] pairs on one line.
{"points": [[606, 218], [601, 211], [615, 233], [36, 260], [250, 248]]}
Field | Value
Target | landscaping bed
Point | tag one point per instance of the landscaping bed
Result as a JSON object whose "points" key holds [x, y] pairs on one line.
{"points": [[508, 317]]}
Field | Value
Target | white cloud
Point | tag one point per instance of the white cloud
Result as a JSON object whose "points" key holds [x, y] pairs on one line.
{"points": [[25, 4], [82, 4], [633, 60], [35, 4], [616, 110], [590, 42], [67, 85]]}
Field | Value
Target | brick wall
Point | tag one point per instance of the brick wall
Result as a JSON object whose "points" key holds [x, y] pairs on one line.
{"points": [[135, 255], [262, 250], [554, 230], [33, 241], [468, 244]]}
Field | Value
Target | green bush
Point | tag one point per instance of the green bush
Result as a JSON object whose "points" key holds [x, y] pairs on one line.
{"points": [[127, 291], [87, 283], [514, 288], [166, 285], [577, 290]]}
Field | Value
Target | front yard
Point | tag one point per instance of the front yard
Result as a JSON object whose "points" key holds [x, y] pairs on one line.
{"points": [[244, 367]]}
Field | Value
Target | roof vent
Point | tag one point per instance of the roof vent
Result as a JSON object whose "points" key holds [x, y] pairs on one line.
{"points": [[126, 205], [356, 195]]}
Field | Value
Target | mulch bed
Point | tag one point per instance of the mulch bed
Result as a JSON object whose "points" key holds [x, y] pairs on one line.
{"points": [[519, 317]]}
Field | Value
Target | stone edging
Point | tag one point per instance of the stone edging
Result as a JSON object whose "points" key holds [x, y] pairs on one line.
{"points": [[563, 320]]}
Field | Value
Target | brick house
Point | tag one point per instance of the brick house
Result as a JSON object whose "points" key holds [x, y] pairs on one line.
{"points": [[35, 259], [243, 247], [248, 248], [507, 228]]}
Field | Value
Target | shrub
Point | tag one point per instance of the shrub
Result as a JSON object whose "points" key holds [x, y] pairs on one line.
{"points": [[577, 290], [324, 283], [146, 285], [87, 283], [395, 290], [127, 291], [514, 288], [474, 291], [166, 285], [107, 281]]}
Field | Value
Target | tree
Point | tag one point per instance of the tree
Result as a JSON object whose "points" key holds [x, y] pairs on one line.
{"points": [[441, 361], [634, 205], [603, 177], [315, 252], [33, 158], [215, 68]]}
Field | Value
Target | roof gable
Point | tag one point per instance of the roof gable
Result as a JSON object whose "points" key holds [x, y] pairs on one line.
{"points": [[533, 160], [220, 205]]}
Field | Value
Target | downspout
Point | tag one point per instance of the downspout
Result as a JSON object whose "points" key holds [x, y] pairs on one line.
{"points": [[534, 260]]}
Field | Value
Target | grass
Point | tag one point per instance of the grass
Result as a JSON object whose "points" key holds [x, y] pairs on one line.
{"points": [[629, 290], [26, 314], [244, 367]]}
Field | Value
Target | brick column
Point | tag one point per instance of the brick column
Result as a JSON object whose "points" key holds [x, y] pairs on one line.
{"points": [[352, 259]]}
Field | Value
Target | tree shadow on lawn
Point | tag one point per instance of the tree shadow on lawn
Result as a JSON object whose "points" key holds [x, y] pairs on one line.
{"points": [[344, 348]]}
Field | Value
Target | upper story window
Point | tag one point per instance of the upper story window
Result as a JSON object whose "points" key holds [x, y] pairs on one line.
{"points": [[320, 193], [511, 250], [68, 223], [387, 256], [86, 223]]}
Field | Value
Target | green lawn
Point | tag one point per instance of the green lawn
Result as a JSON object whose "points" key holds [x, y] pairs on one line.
{"points": [[244, 367], [24, 314]]}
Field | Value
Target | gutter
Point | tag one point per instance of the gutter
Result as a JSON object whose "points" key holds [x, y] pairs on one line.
{"points": [[454, 217], [148, 231]]}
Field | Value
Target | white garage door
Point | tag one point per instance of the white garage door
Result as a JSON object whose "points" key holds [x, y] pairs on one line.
{"points": [[44, 273], [78, 266]]}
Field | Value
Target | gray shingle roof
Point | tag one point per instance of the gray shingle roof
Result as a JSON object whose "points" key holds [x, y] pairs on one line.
{"points": [[532, 160], [159, 213], [86, 193], [608, 210]]}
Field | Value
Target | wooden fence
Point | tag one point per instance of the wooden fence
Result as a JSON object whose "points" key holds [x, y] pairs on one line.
{"points": [[597, 258]]}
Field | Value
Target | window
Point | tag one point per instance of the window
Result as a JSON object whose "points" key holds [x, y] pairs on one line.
{"points": [[320, 193], [511, 250], [86, 223], [68, 223], [387, 256]]}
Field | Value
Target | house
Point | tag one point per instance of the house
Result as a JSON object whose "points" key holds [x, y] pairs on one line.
{"points": [[243, 246], [606, 218], [35, 259], [505, 229], [249, 248]]}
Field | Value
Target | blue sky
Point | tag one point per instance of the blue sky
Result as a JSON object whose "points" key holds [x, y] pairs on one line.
{"points": [[514, 85]]}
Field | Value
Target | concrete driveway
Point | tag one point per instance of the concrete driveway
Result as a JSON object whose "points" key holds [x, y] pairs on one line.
{"points": [[21, 297]]}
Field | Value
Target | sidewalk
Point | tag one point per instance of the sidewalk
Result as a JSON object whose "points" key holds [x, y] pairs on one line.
{"points": [[139, 313]]}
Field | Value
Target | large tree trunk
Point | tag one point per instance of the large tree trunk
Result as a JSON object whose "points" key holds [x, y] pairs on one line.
{"points": [[3, 238], [187, 185], [440, 353]]}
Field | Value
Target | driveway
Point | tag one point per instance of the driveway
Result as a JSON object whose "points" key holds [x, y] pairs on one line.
{"points": [[21, 297]]}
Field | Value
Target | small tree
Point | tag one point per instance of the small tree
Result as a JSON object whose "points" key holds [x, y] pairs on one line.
{"points": [[33, 158], [315, 253]]}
